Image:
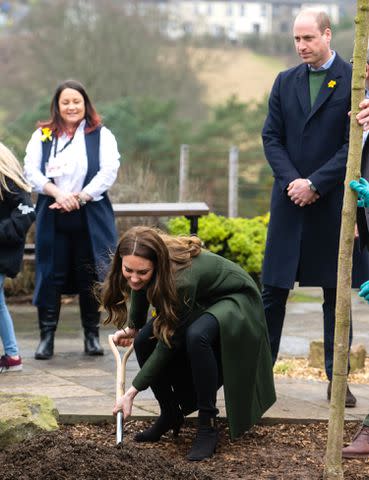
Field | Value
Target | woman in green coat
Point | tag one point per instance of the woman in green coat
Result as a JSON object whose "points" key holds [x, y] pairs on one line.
{"points": [[207, 330]]}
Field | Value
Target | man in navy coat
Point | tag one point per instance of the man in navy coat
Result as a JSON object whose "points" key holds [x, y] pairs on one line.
{"points": [[305, 139]]}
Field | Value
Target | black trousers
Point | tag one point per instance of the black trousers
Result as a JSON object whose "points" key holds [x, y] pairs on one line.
{"points": [[74, 264], [194, 376], [275, 299]]}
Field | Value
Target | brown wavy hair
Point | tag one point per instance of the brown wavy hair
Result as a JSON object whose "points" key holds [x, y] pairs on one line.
{"points": [[169, 255], [56, 124]]}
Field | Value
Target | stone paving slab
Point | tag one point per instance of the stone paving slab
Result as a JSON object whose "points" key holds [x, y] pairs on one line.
{"points": [[83, 388], [299, 401]]}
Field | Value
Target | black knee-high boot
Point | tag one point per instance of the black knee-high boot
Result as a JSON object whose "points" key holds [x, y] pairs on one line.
{"points": [[90, 323], [48, 318], [90, 318], [206, 439]]}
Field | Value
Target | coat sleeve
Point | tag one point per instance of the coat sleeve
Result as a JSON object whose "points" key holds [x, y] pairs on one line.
{"points": [[14, 228], [274, 136], [138, 309], [154, 366], [333, 172]]}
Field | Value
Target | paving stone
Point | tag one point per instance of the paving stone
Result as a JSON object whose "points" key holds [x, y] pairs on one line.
{"points": [[83, 388]]}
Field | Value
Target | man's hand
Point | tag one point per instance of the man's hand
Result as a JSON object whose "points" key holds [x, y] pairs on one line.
{"points": [[356, 231], [363, 116], [300, 193]]}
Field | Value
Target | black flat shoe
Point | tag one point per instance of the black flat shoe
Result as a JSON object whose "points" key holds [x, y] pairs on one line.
{"points": [[162, 425]]}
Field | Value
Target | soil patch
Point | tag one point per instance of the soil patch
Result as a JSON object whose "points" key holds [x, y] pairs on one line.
{"points": [[88, 452]]}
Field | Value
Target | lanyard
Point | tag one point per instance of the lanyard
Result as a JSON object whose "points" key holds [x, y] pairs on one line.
{"points": [[62, 149]]}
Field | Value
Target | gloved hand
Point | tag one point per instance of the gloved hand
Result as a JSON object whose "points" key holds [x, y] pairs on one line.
{"points": [[364, 291], [362, 189]]}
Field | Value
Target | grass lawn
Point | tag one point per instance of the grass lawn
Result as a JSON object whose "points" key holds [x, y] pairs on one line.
{"points": [[234, 71]]}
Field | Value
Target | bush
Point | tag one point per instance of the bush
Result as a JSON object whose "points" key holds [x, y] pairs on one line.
{"points": [[241, 240]]}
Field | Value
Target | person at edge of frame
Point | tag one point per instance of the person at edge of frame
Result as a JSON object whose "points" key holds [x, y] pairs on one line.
{"points": [[308, 163], [359, 447], [16, 216]]}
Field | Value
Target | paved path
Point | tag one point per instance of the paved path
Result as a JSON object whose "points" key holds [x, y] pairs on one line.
{"points": [[83, 388]]}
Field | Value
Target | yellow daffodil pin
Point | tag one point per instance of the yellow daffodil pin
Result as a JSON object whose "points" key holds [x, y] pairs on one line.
{"points": [[46, 135], [332, 84]]}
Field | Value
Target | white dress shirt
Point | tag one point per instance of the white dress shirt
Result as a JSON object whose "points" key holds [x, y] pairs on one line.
{"points": [[72, 164]]}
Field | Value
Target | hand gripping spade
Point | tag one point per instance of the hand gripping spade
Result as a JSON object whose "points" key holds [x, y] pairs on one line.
{"points": [[120, 382]]}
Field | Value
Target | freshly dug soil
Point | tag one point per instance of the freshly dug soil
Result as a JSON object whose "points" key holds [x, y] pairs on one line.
{"points": [[88, 452]]}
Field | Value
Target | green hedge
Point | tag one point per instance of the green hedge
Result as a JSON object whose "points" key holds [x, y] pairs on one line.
{"points": [[241, 240]]}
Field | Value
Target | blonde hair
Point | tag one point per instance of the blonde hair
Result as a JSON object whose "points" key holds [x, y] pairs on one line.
{"points": [[169, 256], [10, 169]]}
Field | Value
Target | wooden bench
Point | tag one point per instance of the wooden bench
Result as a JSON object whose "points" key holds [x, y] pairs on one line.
{"points": [[191, 210]]}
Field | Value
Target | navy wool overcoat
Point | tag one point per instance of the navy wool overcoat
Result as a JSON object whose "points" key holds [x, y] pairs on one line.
{"points": [[304, 142]]}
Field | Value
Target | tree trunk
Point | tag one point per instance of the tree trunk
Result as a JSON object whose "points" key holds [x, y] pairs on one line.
{"points": [[333, 467]]}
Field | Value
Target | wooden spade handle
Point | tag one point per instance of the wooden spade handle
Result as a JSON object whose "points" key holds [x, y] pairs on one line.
{"points": [[121, 367], [120, 383]]}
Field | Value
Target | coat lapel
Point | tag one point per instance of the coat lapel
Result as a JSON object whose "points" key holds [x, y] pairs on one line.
{"points": [[329, 85], [302, 89]]}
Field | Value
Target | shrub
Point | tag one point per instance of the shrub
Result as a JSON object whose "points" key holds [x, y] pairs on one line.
{"points": [[241, 240]]}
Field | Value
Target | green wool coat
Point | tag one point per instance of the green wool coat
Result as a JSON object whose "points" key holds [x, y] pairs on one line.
{"points": [[218, 286]]}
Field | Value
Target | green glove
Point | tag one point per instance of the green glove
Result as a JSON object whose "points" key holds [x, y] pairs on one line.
{"points": [[364, 291], [362, 189]]}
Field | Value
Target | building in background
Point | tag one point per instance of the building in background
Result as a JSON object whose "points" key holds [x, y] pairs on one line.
{"points": [[232, 18]]}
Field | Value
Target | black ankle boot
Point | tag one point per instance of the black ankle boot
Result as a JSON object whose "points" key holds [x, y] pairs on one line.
{"points": [[162, 425], [92, 344], [45, 349], [48, 318], [206, 439]]}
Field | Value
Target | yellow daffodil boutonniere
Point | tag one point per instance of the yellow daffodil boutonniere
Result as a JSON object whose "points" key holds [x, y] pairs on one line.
{"points": [[332, 84], [153, 313], [46, 135]]}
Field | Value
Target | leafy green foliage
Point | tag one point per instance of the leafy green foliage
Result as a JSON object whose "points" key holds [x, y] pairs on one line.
{"points": [[147, 129], [17, 133], [241, 240], [247, 244]]}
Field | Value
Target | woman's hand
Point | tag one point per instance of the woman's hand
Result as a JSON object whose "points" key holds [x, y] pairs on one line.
{"points": [[124, 337], [67, 201], [362, 189], [64, 201], [125, 403], [82, 197]]}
